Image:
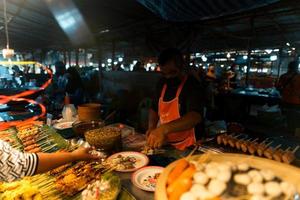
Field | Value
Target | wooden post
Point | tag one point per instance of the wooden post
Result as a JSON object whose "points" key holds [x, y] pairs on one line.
{"points": [[279, 64], [113, 52], [249, 51], [77, 57], [99, 56], [85, 58], [32, 57], [69, 56], [65, 57]]}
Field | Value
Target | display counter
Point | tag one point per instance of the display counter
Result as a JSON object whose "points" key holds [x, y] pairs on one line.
{"points": [[49, 184]]}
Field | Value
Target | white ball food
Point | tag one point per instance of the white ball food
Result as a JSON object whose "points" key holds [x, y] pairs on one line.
{"points": [[201, 178], [258, 197], [216, 187], [188, 196], [287, 188], [243, 167], [273, 189], [224, 176], [255, 176], [200, 192], [243, 179], [224, 167], [211, 172], [268, 175], [256, 188], [232, 166]]}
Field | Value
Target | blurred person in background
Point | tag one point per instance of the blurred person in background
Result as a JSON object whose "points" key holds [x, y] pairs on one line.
{"points": [[289, 88], [139, 67], [210, 91], [74, 86]]}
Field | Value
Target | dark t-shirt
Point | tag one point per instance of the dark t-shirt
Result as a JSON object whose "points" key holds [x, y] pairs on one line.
{"points": [[190, 99]]}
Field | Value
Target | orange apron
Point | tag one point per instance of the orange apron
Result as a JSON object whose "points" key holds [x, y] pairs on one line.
{"points": [[168, 112]]}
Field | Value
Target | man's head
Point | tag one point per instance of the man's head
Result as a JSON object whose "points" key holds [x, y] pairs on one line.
{"points": [[60, 68], [293, 66], [171, 63]]}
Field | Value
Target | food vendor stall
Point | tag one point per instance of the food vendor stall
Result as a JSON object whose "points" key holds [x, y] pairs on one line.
{"points": [[71, 180], [127, 168]]}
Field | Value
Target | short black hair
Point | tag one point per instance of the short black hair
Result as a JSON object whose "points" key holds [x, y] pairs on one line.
{"points": [[171, 54], [293, 66]]}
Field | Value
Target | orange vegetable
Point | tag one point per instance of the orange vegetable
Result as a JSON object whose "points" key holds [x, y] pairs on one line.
{"points": [[179, 168], [186, 174], [183, 186]]}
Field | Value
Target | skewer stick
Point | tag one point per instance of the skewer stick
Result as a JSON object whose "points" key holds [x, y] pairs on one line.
{"points": [[278, 146], [296, 149]]}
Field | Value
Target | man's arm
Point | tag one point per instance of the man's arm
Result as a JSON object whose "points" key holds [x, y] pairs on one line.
{"points": [[153, 119], [156, 137], [188, 121], [49, 161]]}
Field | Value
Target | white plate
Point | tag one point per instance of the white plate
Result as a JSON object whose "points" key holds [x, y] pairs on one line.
{"points": [[63, 125], [144, 178], [142, 160]]}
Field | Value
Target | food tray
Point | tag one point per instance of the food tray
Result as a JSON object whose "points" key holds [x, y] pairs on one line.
{"points": [[279, 169]]}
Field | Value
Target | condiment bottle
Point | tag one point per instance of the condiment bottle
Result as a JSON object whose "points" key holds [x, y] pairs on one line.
{"points": [[69, 111]]}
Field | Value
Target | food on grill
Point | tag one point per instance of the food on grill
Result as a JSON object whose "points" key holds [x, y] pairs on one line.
{"points": [[76, 178], [262, 149]]}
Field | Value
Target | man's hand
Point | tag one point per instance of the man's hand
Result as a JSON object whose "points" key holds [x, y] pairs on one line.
{"points": [[83, 154], [149, 131], [156, 137]]}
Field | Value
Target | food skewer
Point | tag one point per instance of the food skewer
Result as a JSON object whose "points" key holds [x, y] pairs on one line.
{"points": [[262, 147], [233, 139], [240, 141], [268, 153], [254, 147], [289, 156], [279, 153], [226, 138], [245, 144]]}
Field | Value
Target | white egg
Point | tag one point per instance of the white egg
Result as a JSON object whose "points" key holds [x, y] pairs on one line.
{"points": [[243, 179], [243, 167], [216, 187], [224, 176], [211, 172], [200, 177], [287, 188], [256, 188], [255, 176], [268, 175], [188, 196], [273, 189]]}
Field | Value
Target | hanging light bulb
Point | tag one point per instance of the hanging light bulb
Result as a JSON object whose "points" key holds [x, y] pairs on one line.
{"points": [[7, 53]]}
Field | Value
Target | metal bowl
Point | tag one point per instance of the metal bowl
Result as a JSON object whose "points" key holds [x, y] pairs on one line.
{"points": [[81, 127]]}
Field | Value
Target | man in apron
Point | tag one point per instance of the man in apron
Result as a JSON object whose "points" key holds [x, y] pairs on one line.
{"points": [[177, 107]]}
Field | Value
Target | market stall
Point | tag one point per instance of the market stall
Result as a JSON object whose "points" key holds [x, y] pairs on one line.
{"points": [[126, 171]]}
